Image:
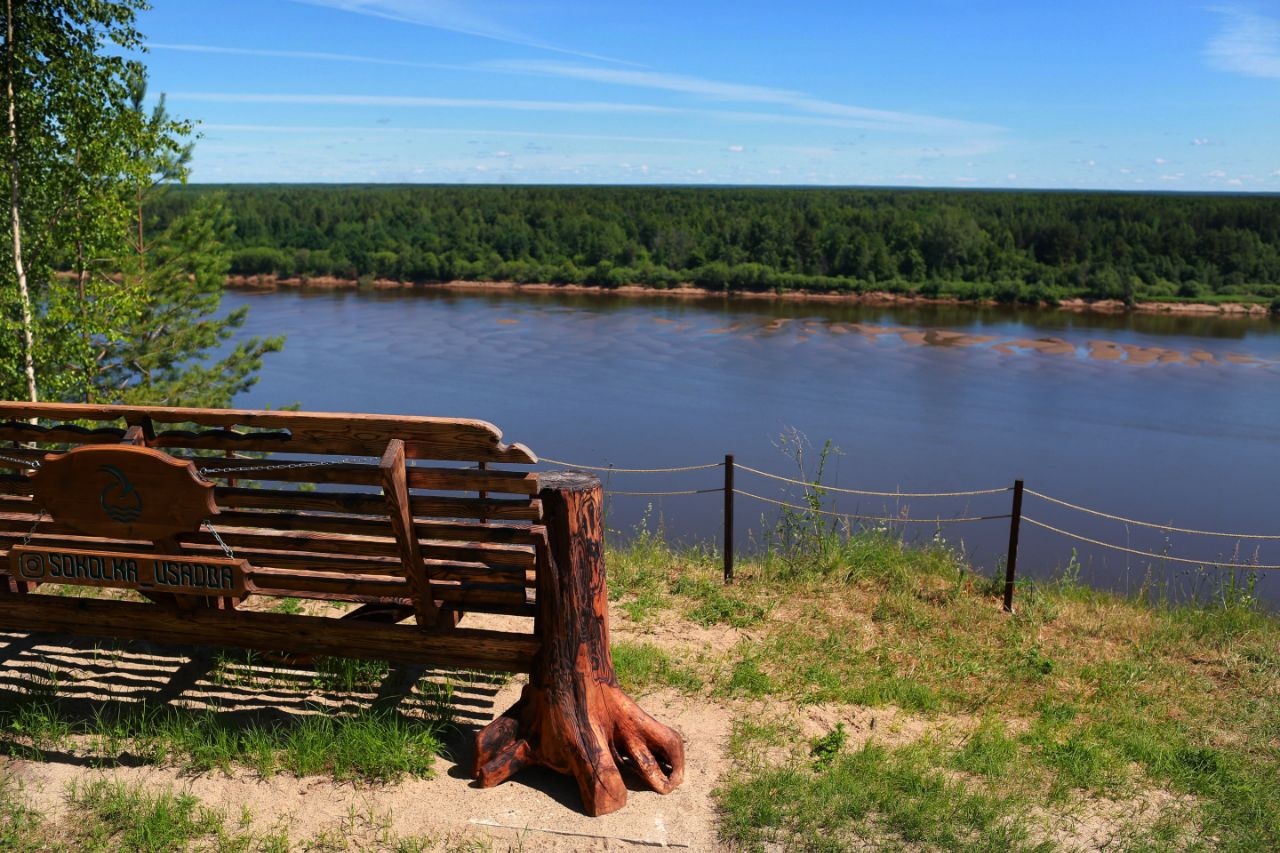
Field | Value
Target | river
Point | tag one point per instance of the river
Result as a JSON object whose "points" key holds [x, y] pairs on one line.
{"points": [[1158, 418]]}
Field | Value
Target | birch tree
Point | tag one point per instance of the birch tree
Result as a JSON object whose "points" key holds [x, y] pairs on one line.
{"points": [[93, 307]]}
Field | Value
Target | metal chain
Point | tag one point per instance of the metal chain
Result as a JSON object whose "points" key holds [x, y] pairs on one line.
{"points": [[226, 549], [25, 463], [275, 467], [32, 532]]}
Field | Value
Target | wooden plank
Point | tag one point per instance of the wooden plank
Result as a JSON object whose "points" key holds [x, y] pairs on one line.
{"points": [[15, 485], [291, 582], [473, 480], [493, 508], [60, 434], [360, 474], [361, 546], [365, 503], [395, 491], [498, 532], [455, 531], [271, 632], [310, 432]]}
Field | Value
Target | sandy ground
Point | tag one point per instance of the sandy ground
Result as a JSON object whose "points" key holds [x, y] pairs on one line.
{"points": [[539, 810]]}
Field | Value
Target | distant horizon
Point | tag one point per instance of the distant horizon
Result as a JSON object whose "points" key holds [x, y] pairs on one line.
{"points": [[1233, 193], [1143, 96]]}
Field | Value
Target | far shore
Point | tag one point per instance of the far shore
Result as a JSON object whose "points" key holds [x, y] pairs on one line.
{"points": [[1250, 310]]}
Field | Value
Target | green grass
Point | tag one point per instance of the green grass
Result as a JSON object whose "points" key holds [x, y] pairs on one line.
{"points": [[641, 666], [129, 818], [1080, 698]]}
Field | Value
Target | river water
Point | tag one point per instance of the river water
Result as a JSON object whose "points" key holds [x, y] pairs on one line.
{"points": [[1165, 419]]}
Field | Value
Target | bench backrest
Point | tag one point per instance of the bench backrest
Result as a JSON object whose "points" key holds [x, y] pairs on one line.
{"points": [[373, 509]]}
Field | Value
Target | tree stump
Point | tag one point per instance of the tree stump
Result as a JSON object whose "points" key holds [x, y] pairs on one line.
{"points": [[573, 716]]}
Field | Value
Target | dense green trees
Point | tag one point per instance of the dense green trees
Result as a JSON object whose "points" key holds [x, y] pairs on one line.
{"points": [[974, 244], [96, 303]]}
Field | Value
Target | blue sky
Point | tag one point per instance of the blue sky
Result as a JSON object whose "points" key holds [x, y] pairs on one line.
{"points": [[1126, 94]]}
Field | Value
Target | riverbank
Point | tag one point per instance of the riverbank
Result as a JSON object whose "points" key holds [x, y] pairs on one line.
{"points": [[1244, 310]]}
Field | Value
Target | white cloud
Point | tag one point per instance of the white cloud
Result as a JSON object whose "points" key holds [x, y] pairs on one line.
{"points": [[1199, 141], [722, 91], [1248, 43], [1236, 182], [335, 100], [450, 15], [303, 54], [1126, 171], [344, 100], [1160, 161], [1217, 173], [1179, 176], [1012, 176], [737, 149], [311, 129]]}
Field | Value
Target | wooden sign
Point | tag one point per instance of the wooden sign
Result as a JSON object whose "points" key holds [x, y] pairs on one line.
{"points": [[184, 574], [123, 492]]}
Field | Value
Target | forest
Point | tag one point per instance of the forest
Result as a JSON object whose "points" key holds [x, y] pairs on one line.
{"points": [[973, 244]]}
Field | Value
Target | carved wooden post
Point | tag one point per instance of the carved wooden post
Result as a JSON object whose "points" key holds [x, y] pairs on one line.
{"points": [[573, 717]]}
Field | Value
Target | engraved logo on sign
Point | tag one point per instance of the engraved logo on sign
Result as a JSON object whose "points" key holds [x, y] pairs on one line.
{"points": [[119, 499], [31, 566]]}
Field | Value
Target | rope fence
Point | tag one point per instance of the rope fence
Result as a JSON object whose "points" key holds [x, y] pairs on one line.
{"points": [[664, 494], [728, 489], [1203, 563], [1165, 527], [852, 516], [1015, 516], [612, 470], [844, 491]]}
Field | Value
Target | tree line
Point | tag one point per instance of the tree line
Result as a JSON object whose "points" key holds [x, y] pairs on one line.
{"points": [[1007, 246]]}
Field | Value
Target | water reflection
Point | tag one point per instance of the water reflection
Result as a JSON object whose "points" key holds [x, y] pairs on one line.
{"points": [[1160, 418]]}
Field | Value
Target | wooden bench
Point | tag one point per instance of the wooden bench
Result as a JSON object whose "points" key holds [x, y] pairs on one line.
{"points": [[206, 512]]}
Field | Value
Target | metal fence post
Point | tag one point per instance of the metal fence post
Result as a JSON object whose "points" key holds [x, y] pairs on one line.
{"points": [[1011, 563], [728, 518]]}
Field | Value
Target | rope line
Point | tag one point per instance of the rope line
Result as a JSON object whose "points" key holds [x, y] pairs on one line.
{"points": [[661, 494], [1207, 563], [613, 470], [868, 517], [1165, 527], [870, 493]]}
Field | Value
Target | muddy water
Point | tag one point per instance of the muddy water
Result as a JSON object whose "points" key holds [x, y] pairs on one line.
{"points": [[1165, 419]]}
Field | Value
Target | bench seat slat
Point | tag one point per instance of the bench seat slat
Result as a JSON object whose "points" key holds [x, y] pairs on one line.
{"points": [[272, 632], [456, 531], [365, 503], [364, 546], [357, 474]]}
